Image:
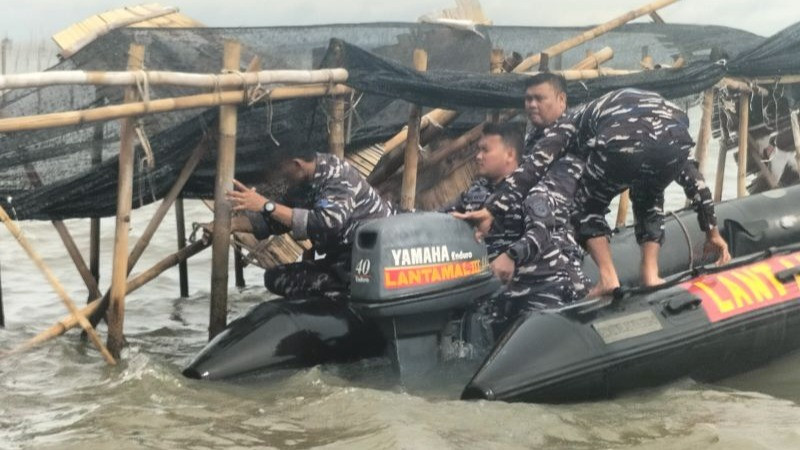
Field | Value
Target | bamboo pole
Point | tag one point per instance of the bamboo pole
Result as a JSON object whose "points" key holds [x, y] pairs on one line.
{"points": [[104, 113], [62, 293], [226, 163], [795, 135], [116, 310], [733, 84], [68, 241], [593, 33], [336, 127], [721, 157], [594, 59], [159, 78], [69, 322], [94, 224], [409, 189], [785, 79], [183, 269], [704, 135], [238, 266], [744, 130]]}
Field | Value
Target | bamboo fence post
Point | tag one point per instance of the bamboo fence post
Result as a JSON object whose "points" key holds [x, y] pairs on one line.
{"points": [[795, 135], [593, 33], [226, 164], [116, 310], [718, 183], [69, 118], [409, 189], [744, 120], [69, 322], [336, 127], [62, 293], [75, 254], [94, 224], [704, 135], [183, 269]]}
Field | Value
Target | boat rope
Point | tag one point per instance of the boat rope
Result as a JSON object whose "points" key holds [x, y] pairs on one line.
{"points": [[688, 239], [143, 86]]}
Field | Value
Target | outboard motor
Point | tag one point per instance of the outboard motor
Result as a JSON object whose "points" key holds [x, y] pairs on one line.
{"points": [[412, 274]]}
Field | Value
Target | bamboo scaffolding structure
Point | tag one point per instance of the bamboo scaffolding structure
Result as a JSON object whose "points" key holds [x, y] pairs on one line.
{"points": [[183, 269], [69, 322], [70, 118], [62, 293], [226, 164], [409, 188], [744, 130], [594, 59], [593, 33], [442, 117], [231, 80], [115, 317], [158, 216]]}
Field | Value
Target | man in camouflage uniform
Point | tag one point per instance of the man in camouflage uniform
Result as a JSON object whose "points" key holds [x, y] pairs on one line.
{"points": [[545, 274], [499, 151], [629, 139], [326, 202]]}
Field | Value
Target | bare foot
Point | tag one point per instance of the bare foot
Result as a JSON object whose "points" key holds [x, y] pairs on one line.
{"points": [[657, 281], [599, 290]]}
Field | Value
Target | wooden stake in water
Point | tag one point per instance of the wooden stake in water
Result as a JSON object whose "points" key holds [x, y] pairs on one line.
{"points": [[409, 189], [226, 164], [62, 293], [119, 272]]}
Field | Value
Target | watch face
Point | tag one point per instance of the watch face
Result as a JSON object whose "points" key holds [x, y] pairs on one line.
{"points": [[269, 207]]}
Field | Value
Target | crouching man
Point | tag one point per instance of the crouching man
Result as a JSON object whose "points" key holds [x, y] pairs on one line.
{"points": [[326, 202]]}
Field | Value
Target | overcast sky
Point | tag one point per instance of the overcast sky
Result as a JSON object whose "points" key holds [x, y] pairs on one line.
{"points": [[22, 20]]}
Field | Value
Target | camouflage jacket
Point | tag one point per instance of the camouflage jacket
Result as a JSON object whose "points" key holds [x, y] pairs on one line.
{"points": [[502, 235], [629, 119], [328, 209]]}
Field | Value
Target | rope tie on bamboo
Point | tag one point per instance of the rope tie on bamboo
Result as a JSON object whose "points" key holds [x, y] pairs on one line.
{"points": [[270, 113], [245, 95], [143, 86]]}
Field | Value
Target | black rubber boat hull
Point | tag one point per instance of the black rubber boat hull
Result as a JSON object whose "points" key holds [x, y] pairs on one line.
{"points": [[284, 333], [706, 328]]}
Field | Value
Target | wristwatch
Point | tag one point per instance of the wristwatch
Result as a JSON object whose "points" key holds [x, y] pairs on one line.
{"points": [[269, 207]]}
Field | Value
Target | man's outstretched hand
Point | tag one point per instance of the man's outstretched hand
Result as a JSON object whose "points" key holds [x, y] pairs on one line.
{"points": [[481, 219], [244, 198], [716, 245]]}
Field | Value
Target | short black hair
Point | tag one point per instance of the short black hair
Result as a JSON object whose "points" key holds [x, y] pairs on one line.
{"points": [[510, 133], [558, 82]]}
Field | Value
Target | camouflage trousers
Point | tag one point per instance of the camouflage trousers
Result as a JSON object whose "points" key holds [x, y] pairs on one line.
{"points": [[645, 171], [308, 279]]}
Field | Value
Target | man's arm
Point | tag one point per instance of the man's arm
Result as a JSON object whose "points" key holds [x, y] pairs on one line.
{"points": [[699, 194], [330, 214]]}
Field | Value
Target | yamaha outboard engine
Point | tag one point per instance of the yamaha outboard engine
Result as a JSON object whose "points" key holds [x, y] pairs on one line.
{"points": [[413, 274]]}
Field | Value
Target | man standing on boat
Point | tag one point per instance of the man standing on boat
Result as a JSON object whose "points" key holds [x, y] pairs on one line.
{"points": [[499, 153], [628, 139], [326, 202]]}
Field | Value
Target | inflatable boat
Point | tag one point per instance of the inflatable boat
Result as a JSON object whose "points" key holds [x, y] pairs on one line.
{"points": [[419, 282]]}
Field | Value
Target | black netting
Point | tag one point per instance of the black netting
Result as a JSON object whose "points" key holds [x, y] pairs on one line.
{"points": [[71, 172]]}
